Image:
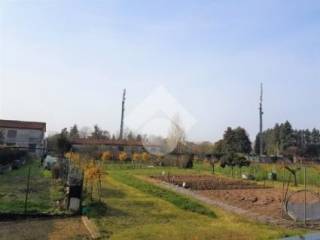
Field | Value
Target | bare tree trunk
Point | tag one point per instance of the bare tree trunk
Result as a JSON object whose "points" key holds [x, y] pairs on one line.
{"points": [[294, 173]]}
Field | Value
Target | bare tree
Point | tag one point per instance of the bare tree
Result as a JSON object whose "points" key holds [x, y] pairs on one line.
{"points": [[85, 132], [176, 137]]}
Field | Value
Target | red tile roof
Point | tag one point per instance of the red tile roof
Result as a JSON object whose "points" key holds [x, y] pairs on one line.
{"points": [[23, 125]]}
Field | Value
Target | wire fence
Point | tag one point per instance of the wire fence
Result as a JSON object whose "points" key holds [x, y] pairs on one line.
{"points": [[32, 184]]}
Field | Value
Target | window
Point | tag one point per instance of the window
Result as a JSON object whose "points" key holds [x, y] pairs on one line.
{"points": [[12, 133], [32, 147], [34, 140]]}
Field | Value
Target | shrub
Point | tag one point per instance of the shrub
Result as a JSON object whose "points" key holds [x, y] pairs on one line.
{"points": [[123, 156], [136, 157], [106, 156], [56, 170], [8, 156], [145, 157]]}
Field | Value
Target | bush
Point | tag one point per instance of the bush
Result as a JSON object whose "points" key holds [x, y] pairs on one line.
{"points": [[105, 156], [123, 156], [181, 161], [56, 171], [8, 156]]}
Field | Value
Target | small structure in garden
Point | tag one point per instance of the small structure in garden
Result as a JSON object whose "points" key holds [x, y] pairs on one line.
{"points": [[74, 183], [303, 206], [49, 161]]}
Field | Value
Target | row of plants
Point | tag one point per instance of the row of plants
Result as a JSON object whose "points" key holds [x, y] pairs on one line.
{"points": [[262, 171], [92, 166]]}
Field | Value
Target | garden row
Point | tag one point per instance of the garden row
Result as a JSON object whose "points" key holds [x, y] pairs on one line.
{"points": [[204, 182], [12, 159]]}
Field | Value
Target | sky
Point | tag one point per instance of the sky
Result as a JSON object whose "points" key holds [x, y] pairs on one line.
{"points": [[66, 62]]}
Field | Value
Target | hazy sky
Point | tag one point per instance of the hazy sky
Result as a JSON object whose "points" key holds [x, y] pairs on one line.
{"points": [[66, 62]]}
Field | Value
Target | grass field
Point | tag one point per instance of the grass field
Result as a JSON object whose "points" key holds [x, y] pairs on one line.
{"points": [[43, 191], [132, 208]]}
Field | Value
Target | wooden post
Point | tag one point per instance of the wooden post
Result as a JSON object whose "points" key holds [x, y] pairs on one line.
{"points": [[27, 192], [283, 200]]}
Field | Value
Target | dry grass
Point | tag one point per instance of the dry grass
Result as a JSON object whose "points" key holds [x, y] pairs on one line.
{"points": [[57, 229]]}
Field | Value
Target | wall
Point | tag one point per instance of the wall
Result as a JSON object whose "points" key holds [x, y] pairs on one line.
{"points": [[24, 137]]}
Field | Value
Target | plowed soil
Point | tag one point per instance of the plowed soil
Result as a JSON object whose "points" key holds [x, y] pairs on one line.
{"points": [[242, 194], [208, 182]]}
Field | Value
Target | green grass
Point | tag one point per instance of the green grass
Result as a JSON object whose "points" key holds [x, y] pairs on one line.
{"points": [[43, 191], [134, 209], [169, 196]]}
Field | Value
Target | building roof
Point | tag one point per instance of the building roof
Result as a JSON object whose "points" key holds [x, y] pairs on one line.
{"points": [[88, 141], [22, 125]]}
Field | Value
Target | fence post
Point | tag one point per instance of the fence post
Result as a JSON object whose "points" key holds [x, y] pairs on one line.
{"points": [[283, 200], [27, 192]]}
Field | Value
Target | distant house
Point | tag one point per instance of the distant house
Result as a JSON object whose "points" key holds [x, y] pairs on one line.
{"points": [[115, 146], [24, 135]]}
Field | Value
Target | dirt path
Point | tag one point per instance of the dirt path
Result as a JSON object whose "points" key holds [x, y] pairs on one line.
{"points": [[233, 209], [44, 229]]}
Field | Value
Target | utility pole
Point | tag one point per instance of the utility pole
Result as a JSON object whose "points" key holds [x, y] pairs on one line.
{"points": [[122, 114], [261, 123]]}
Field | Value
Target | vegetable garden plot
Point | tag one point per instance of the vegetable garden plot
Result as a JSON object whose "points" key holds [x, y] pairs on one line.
{"points": [[208, 182], [30, 190]]}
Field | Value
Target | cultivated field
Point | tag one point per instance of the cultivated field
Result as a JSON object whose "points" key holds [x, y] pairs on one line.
{"points": [[206, 182], [43, 191], [134, 207]]}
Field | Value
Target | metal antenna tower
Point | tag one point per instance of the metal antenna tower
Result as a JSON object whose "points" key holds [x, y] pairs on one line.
{"points": [[122, 114], [261, 122]]}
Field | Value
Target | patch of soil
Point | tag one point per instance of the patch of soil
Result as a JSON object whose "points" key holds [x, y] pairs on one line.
{"points": [[195, 182], [299, 197], [265, 202], [51, 229], [241, 194]]}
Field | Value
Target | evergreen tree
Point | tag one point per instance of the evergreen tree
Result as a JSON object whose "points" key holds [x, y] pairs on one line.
{"points": [[74, 132]]}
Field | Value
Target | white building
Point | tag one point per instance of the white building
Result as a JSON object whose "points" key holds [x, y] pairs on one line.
{"points": [[22, 134]]}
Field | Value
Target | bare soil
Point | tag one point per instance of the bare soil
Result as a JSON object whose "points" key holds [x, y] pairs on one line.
{"points": [[265, 202], [195, 182], [242, 194], [51, 229]]}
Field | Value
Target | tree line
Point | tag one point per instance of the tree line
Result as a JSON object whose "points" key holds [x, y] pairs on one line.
{"points": [[62, 141], [282, 139]]}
